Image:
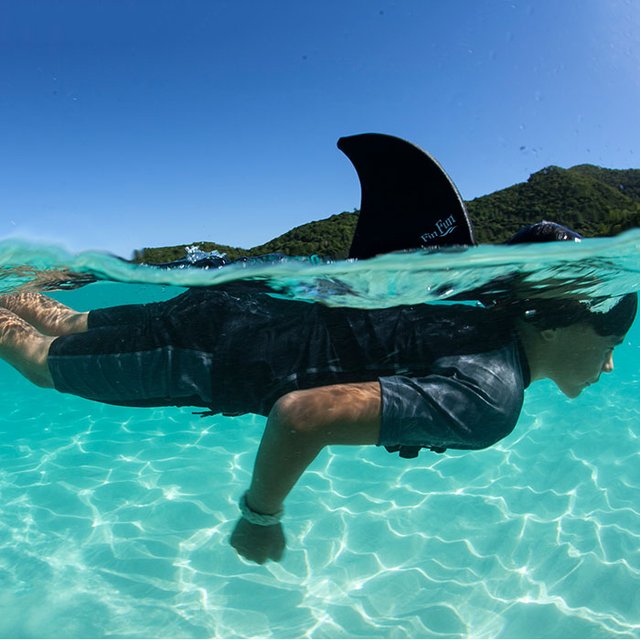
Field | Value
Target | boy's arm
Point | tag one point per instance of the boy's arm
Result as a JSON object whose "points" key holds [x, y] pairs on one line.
{"points": [[300, 424]]}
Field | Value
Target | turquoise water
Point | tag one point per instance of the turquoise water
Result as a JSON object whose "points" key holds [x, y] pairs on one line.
{"points": [[114, 521]]}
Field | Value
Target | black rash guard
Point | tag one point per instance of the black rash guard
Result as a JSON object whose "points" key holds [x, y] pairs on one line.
{"points": [[452, 376]]}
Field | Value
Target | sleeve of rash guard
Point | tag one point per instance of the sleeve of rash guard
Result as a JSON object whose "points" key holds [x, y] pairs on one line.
{"points": [[467, 402]]}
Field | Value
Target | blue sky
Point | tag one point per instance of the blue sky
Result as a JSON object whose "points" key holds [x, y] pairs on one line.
{"points": [[151, 122]]}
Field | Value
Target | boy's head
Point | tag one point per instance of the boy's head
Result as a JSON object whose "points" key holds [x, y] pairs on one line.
{"points": [[577, 337], [574, 340]]}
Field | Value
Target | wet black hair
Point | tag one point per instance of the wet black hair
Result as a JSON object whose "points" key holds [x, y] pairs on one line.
{"points": [[544, 231], [503, 287], [554, 313], [508, 294]]}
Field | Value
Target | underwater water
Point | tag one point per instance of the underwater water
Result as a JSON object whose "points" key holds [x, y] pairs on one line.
{"points": [[115, 521]]}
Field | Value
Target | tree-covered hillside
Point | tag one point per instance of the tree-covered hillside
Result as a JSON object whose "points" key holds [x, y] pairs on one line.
{"points": [[592, 200], [329, 238]]}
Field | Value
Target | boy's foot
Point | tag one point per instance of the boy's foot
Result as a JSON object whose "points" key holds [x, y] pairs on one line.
{"points": [[25, 348], [48, 316]]}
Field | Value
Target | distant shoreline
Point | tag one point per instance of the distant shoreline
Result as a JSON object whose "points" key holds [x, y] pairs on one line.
{"points": [[592, 200]]}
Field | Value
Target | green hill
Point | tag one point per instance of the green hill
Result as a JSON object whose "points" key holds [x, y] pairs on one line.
{"points": [[583, 197], [592, 200], [329, 238], [625, 180]]}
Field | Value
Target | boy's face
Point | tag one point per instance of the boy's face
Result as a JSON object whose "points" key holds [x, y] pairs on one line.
{"points": [[579, 357]]}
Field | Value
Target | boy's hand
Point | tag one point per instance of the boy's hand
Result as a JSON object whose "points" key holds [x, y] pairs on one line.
{"points": [[257, 543]]}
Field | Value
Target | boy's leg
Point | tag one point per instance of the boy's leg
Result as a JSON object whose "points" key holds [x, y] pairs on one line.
{"points": [[25, 348], [48, 316]]}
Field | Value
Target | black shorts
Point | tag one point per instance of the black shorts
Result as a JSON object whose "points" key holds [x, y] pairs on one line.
{"points": [[157, 354]]}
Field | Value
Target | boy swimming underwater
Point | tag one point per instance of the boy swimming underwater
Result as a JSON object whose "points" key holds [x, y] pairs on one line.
{"points": [[432, 376]]}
